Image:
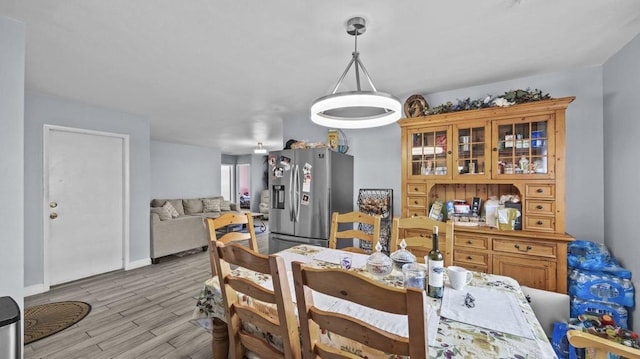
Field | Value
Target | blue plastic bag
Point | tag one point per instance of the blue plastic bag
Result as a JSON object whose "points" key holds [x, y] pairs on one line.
{"points": [[560, 343], [601, 287], [579, 306], [593, 256]]}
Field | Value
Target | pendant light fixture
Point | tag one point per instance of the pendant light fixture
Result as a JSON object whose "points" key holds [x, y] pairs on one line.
{"points": [[356, 109], [260, 150]]}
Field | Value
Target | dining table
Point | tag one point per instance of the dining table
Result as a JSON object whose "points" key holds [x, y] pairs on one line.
{"points": [[489, 318]]}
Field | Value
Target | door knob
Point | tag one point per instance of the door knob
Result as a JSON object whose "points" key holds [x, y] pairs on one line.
{"points": [[53, 204], [53, 215]]}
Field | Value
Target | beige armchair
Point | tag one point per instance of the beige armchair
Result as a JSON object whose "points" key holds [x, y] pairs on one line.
{"points": [[264, 203]]}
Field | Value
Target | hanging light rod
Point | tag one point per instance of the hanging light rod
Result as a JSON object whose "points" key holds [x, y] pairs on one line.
{"points": [[356, 109], [260, 150]]}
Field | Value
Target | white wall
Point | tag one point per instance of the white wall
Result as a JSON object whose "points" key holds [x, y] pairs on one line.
{"points": [[376, 151], [184, 171], [42, 109], [12, 55], [621, 126]]}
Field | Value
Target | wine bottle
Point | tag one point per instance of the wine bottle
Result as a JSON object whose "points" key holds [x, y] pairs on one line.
{"points": [[436, 268]]}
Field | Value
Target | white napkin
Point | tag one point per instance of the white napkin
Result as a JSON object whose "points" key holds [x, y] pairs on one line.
{"points": [[291, 257], [392, 323], [492, 309], [334, 255]]}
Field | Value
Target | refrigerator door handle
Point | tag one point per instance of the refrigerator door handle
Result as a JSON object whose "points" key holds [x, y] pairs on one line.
{"points": [[297, 195], [291, 191]]}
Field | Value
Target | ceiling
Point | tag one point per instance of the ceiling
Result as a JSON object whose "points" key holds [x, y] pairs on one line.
{"points": [[224, 74]]}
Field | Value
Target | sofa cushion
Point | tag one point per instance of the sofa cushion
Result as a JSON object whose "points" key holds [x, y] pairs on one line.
{"points": [[225, 205], [162, 212], [171, 209], [192, 206], [211, 205], [158, 202]]}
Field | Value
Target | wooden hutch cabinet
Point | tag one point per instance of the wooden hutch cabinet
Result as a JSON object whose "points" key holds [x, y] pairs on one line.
{"points": [[518, 150]]}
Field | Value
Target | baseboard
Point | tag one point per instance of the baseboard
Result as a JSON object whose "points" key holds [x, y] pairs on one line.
{"points": [[34, 289], [138, 264]]}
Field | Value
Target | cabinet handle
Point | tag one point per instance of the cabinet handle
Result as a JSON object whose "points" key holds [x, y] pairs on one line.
{"points": [[539, 190], [539, 206], [415, 189], [416, 202], [469, 242], [422, 235], [469, 257], [539, 223], [522, 250], [495, 149]]}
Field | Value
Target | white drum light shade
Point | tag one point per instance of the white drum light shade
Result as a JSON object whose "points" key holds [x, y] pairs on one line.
{"points": [[356, 109], [388, 107]]}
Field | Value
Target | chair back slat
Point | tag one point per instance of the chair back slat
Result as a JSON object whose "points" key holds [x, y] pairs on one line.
{"points": [[360, 331], [357, 289], [259, 346], [253, 316], [283, 325], [353, 287], [251, 260], [354, 218], [219, 230], [249, 288]]}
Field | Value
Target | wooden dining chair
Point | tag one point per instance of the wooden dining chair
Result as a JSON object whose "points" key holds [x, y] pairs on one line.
{"points": [[351, 218], [353, 287], [220, 230], [600, 347], [417, 235], [283, 324]]}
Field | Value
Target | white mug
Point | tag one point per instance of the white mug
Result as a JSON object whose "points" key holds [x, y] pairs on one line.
{"points": [[459, 277]]}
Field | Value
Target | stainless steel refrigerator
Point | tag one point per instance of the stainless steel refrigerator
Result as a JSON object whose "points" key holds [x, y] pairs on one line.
{"points": [[307, 186]]}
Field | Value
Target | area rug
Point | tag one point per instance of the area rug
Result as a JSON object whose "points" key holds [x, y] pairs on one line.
{"points": [[44, 320]]}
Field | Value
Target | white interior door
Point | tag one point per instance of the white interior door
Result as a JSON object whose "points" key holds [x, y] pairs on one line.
{"points": [[85, 176]]}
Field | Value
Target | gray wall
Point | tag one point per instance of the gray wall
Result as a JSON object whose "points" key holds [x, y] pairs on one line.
{"points": [[184, 171], [42, 109], [621, 125], [376, 151], [12, 54]]}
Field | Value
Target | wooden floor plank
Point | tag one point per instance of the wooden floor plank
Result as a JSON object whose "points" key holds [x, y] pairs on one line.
{"points": [[141, 313]]}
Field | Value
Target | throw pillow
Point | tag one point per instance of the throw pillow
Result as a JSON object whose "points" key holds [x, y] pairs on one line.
{"points": [[192, 206], [171, 209], [161, 212], [225, 205], [211, 204]]}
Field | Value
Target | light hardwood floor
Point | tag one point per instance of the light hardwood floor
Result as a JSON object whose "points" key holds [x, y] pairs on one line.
{"points": [[142, 313]]}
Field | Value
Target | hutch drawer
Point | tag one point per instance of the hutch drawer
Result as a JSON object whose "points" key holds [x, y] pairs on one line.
{"points": [[416, 188], [540, 191], [477, 242], [536, 223], [416, 202], [525, 247], [540, 207], [471, 257]]}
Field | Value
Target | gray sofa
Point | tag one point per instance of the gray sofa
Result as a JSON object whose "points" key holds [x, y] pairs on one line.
{"points": [[185, 229]]}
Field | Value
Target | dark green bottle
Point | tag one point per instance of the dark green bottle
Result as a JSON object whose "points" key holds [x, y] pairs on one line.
{"points": [[436, 268]]}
